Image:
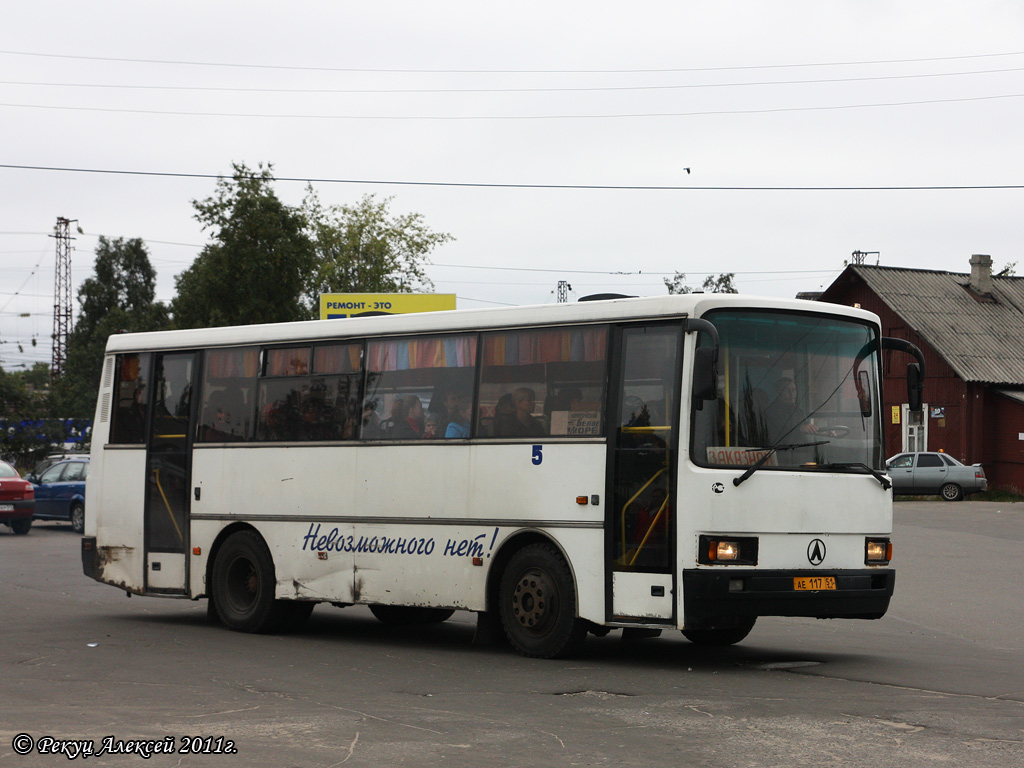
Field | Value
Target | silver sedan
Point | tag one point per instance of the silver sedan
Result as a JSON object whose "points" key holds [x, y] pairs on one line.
{"points": [[930, 472]]}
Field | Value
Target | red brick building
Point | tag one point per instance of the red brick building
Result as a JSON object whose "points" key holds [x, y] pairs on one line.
{"points": [[971, 330]]}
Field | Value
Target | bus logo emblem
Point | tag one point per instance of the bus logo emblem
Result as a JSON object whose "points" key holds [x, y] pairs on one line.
{"points": [[718, 487], [816, 552]]}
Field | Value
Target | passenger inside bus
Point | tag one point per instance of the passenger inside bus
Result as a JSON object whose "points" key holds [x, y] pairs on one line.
{"points": [[431, 425], [461, 412], [370, 420], [504, 416], [407, 419], [522, 423]]}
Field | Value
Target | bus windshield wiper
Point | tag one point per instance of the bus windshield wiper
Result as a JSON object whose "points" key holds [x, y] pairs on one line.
{"points": [[771, 452], [882, 479]]}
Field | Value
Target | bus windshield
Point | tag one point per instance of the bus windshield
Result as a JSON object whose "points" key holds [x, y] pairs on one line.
{"points": [[794, 391]]}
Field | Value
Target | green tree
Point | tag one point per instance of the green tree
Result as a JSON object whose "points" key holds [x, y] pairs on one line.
{"points": [[363, 248], [26, 434], [722, 283], [257, 266], [14, 397], [119, 297]]}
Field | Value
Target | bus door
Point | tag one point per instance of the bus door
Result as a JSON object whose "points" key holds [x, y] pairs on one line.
{"points": [[168, 470], [642, 454]]}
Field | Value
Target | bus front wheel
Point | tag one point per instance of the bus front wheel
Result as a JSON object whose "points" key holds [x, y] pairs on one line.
{"points": [[538, 604], [243, 585]]}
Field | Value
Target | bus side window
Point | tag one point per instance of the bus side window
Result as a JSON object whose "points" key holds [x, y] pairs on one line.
{"points": [[543, 382], [131, 396], [414, 387], [229, 381]]}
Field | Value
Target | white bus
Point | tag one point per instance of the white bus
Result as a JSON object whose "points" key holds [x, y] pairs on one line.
{"points": [[688, 462]]}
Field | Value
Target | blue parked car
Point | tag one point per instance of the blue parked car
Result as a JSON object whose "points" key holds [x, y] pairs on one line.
{"points": [[60, 492]]}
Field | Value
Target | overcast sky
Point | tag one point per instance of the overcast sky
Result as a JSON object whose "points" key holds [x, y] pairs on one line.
{"points": [[498, 114]]}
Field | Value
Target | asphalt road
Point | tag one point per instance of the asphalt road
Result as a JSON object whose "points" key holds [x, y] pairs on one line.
{"points": [[938, 681]]}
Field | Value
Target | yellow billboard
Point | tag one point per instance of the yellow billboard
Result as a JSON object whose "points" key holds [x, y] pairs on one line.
{"points": [[337, 305]]}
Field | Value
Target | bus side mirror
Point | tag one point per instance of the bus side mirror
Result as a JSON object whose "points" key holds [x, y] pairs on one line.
{"points": [[863, 385], [915, 387], [705, 373]]}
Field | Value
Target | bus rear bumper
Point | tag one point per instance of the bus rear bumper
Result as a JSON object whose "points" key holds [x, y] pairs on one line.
{"points": [[723, 597]]}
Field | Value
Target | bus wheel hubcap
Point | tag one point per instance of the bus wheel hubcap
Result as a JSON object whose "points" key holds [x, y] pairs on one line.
{"points": [[530, 601]]}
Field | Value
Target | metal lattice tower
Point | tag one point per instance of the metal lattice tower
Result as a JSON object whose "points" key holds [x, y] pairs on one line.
{"points": [[61, 297], [858, 256], [563, 291]]}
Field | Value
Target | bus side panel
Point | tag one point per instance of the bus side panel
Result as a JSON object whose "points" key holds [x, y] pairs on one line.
{"points": [[308, 503], [114, 515], [497, 489], [289, 496]]}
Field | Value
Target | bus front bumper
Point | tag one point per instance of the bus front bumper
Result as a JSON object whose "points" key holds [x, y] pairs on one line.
{"points": [[721, 597]]}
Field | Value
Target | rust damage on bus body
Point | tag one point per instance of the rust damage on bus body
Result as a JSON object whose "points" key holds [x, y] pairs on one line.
{"points": [[310, 590], [102, 564]]}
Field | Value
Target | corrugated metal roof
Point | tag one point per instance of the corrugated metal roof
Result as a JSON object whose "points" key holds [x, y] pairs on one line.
{"points": [[983, 341]]}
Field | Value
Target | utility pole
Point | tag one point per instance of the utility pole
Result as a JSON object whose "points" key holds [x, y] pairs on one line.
{"points": [[61, 298], [563, 291]]}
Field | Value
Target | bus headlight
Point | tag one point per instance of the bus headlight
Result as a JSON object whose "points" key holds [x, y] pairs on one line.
{"points": [[877, 552], [727, 550]]}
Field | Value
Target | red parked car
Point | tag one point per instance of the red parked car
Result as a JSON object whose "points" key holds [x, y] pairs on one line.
{"points": [[17, 499]]}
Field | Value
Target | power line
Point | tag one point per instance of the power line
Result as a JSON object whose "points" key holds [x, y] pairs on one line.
{"points": [[431, 118], [627, 274], [589, 89], [494, 185], [507, 71]]}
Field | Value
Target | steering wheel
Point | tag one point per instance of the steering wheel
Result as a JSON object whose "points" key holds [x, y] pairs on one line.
{"points": [[837, 431]]}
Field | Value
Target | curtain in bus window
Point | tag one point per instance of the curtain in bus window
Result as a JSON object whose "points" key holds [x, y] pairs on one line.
{"points": [[543, 382], [232, 363], [410, 354], [527, 347], [337, 358], [228, 395], [288, 362], [420, 388]]}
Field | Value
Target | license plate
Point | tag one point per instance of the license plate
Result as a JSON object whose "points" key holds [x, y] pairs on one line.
{"points": [[6, 507], [813, 583]]}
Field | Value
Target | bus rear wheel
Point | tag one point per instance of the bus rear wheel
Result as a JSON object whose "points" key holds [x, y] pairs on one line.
{"points": [[720, 636], [410, 614], [537, 604], [243, 585]]}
